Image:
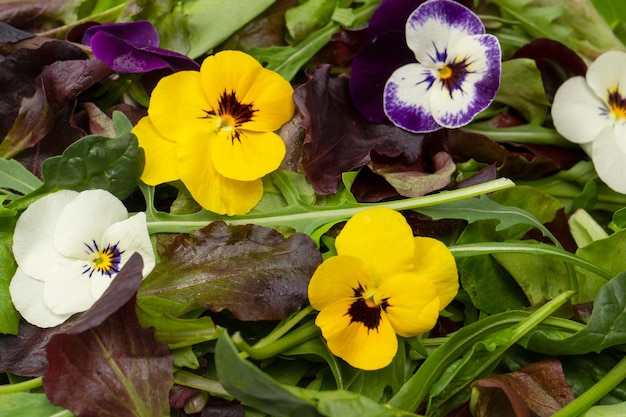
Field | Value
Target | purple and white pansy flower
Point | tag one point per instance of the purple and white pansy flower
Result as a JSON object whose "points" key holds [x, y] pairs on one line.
{"points": [[591, 111], [457, 73]]}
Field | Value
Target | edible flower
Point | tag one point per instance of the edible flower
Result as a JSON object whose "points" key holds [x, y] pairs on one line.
{"points": [[69, 246], [591, 111], [382, 283], [214, 130], [132, 47], [456, 76]]}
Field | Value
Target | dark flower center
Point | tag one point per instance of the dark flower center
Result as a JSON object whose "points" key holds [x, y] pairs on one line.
{"points": [[617, 104], [366, 310], [452, 75], [106, 261], [232, 114]]}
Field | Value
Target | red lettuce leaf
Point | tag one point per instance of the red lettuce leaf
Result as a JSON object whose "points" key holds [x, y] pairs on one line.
{"points": [[114, 368], [253, 271], [24, 354], [539, 389], [338, 139]]}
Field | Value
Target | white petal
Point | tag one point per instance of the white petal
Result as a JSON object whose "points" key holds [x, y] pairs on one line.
{"points": [[27, 296], [85, 220], [609, 154], [67, 289], [607, 73], [33, 238], [406, 98], [435, 25], [577, 113], [476, 86]]}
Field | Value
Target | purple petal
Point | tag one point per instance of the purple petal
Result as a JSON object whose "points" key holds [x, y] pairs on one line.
{"points": [[391, 16], [436, 25], [371, 68], [140, 33], [124, 57], [407, 98]]}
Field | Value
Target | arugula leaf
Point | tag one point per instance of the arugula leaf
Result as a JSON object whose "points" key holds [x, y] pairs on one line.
{"points": [[15, 179], [484, 208]]}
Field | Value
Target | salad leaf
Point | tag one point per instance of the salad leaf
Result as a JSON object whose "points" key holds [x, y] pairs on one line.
{"points": [[250, 270], [26, 404], [10, 316]]}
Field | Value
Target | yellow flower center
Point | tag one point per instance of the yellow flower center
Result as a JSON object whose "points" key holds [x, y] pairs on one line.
{"points": [[231, 114], [366, 308], [106, 261], [617, 104], [445, 72]]}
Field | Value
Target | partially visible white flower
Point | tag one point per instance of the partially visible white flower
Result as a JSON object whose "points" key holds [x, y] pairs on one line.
{"points": [[591, 111], [457, 73], [69, 246]]}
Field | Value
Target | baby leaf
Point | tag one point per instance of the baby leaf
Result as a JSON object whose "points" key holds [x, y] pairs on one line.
{"points": [[250, 270], [604, 329], [15, 180], [10, 317], [484, 208]]}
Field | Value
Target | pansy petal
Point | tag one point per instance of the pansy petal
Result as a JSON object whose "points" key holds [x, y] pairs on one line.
{"points": [[413, 303], [211, 190], [608, 154], [372, 67], [406, 98], [178, 108], [577, 113], [161, 165], [607, 73], [475, 63], [269, 94], [336, 279], [248, 157], [382, 238], [363, 348], [140, 32], [27, 297], [67, 289], [85, 220], [436, 25], [34, 233], [434, 262], [131, 236]]}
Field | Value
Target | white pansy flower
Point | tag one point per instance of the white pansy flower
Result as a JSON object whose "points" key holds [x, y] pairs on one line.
{"points": [[69, 246], [591, 111]]}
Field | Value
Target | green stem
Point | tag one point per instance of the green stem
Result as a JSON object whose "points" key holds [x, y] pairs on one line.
{"points": [[107, 16], [283, 328], [601, 388], [21, 386], [188, 379], [314, 216], [299, 335]]}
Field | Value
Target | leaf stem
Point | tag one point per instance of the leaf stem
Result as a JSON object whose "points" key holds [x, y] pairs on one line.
{"points": [[301, 334], [21, 386], [188, 379], [601, 388], [283, 328]]}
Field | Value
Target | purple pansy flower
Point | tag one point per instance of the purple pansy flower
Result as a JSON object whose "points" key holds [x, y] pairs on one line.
{"points": [[133, 48], [456, 76]]}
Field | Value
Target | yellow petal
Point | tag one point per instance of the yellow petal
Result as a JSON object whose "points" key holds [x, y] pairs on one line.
{"points": [[435, 263], [336, 279], [382, 238], [178, 107], [353, 342], [251, 156], [161, 164], [413, 303], [211, 190], [268, 92]]}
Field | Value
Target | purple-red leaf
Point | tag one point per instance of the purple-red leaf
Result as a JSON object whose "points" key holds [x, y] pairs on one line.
{"points": [[539, 389], [338, 139], [253, 271]]}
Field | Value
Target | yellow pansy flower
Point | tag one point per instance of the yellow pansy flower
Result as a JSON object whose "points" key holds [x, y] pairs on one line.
{"points": [[214, 130], [382, 283]]}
